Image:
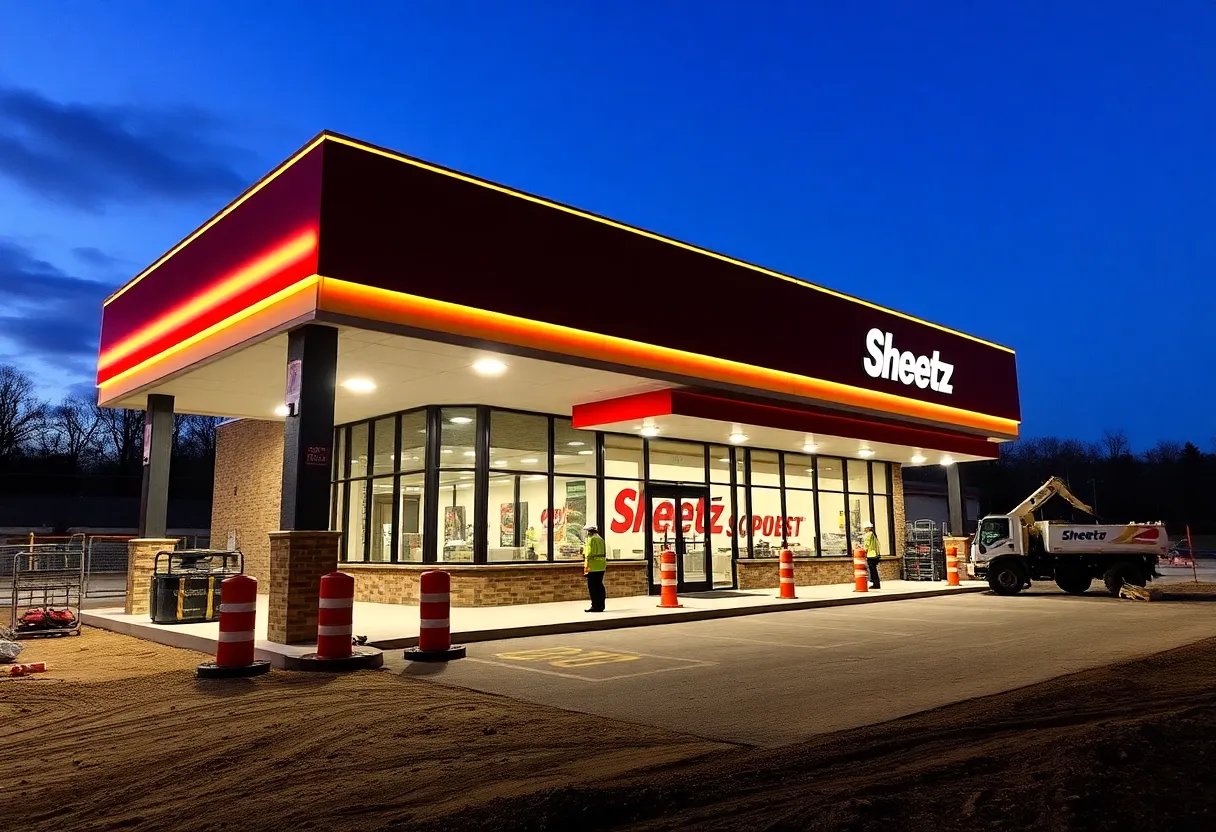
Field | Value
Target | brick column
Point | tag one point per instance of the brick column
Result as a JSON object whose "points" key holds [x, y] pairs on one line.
{"points": [[298, 559], [141, 558]]}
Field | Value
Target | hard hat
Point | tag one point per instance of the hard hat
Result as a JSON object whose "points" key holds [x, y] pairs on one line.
{"points": [[868, 526], [592, 529]]}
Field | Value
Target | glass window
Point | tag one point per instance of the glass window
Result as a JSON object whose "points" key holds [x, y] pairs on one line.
{"points": [[859, 515], [409, 543], [799, 471], [831, 474], [882, 477], [573, 508], [994, 530], [832, 542], [719, 463], [859, 476], [519, 441], [719, 522], [622, 456], [358, 450], [532, 515], [765, 469], [335, 508], [455, 513], [882, 524], [800, 522], [458, 438], [573, 450], [741, 523], [340, 454], [413, 441], [503, 520], [677, 461], [385, 446], [624, 536], [356, 518], [767, 523], [382, 519]]}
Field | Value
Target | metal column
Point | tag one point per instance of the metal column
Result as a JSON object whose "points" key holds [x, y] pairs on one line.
{"points": [[954, 501], [308, 438], [158, 448]]}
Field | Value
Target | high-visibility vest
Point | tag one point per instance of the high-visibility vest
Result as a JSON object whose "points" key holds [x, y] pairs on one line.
{"points": [[595, 554], [871, 544]]}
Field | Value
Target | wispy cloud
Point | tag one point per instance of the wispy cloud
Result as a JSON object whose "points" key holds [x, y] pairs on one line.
{"points": [[92, 157]]}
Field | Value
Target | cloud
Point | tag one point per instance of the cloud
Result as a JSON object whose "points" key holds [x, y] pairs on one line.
{"points": [[92, 157], [95, 257]]}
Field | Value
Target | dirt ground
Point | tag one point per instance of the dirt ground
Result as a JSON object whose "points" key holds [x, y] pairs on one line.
{"points": [[119, 735]]}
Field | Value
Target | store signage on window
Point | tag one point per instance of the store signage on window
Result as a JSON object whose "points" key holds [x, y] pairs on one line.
{"points": [[885, 361], [292, 395], [629, 517], [147, 440]]}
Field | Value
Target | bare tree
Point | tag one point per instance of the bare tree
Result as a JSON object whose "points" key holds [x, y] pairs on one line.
{"points": [[194, 436], [74, 430], [1164, 452], [21, 412], [1116, 444], [123, 436]]}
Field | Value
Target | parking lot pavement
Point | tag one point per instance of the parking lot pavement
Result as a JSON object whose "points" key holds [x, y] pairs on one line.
{"points": [[781, 677]]}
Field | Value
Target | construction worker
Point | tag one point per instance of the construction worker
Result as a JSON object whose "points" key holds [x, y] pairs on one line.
{"points": [[870, 542], [530, 539], [595, 562]]}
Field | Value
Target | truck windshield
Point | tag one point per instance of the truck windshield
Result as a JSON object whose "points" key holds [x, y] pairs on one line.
{"points": [[994, 530]]}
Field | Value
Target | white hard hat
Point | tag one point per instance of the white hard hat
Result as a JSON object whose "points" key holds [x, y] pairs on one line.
{"points": [[868, 526]]}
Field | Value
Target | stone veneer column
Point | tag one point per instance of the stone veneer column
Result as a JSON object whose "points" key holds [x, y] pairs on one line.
{"points": [[298, 559], [141, 559]]}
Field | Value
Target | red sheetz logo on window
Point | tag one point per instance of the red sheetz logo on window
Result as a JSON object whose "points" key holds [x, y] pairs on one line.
{"points": [[629, 517]]}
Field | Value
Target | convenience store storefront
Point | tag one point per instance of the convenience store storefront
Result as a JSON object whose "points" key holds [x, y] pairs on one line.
{"points": [[423, 367]]}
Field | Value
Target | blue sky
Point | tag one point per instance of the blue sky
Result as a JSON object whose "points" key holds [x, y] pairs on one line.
{"points": [[1040, 174]]}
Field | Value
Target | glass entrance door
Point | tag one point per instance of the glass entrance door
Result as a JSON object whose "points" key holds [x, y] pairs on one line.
{"points": [[676, 520]]}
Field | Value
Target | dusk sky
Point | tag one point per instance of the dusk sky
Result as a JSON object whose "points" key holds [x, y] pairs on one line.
{"points": [[1041, 174]]}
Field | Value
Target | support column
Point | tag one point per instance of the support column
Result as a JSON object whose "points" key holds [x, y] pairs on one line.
{"points": [[304, 549], [954, 501], [158, 448], [141, 558]]}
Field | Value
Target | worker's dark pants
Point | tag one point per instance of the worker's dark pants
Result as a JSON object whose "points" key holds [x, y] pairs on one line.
{"points": [[873, 564], [595, 588]]}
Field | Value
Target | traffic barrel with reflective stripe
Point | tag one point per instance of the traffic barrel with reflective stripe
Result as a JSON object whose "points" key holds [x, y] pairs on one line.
{"points": [[668, 593], [435, 620], [861, 575], [787, 574], [952, 566], [238, 621], [334, 611]]}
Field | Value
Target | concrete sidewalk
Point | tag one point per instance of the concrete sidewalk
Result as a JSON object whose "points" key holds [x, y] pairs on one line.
{"points": [[394, 626]]}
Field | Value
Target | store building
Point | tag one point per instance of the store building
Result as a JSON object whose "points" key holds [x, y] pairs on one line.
{"points": [[426, 368]]}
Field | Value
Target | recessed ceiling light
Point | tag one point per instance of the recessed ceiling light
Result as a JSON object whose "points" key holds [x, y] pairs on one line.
{"points": [[917, 459], [470, 453], [575, 444], [359, 385], [466, 476], [535, 477], [446, 451], [530, 460], [810, 448], [500, 462], [463, 485], [460, 420], [650, 430], [585, 453], [725, 459], [865, 452], [489, 367], [738, 438], [413, 488], [947, 460], [281, 410]]}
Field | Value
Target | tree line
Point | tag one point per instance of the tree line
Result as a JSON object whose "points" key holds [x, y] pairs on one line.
{"points": [[75, 448]]}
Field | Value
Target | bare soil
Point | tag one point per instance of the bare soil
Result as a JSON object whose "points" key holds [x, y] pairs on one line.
{"points": [[119, 735]]}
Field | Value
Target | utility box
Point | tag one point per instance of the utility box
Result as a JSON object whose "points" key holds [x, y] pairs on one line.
{"points": [[186, 584]]}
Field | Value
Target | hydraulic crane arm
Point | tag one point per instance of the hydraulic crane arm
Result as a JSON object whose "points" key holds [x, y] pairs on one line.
{"points": [[1054, 486]]}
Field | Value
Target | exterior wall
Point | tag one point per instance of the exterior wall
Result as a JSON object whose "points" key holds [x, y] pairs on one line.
{"points": [[488, 586], [248, 487], [763, 574], [899, 509]]}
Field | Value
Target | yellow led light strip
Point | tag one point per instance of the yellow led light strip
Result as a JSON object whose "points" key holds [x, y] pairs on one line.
{"points": [[360, 301], [232, 320], [262, 183], [649, 234], [257, 270]]}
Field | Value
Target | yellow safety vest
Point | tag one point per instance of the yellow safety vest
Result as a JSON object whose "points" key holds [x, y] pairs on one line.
{"points": [[871, 545], [595, 554]]}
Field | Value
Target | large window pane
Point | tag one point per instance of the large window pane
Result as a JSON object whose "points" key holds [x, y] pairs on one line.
{"points": [[533, 515], [518, 442], [741, 523], [764, 468], [882, 524], [503, 519], [340, 454], [413, 441], [358, 450], [833, 542], [798, 471], [677, 461], [859, 477], [455, 512], [573, 450], [719, 463], [574, 508], [409, 544], [356, 519], [882, 477], [335, 509], [859, 515], [624, 536], [718, 520], [831, 474], [800, 523], [458, 438], [385, 446], [382, 519], [767, 522], [622, 456]]}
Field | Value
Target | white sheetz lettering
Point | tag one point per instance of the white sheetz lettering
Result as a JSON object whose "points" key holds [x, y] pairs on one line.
{"points": [[886, 362]]}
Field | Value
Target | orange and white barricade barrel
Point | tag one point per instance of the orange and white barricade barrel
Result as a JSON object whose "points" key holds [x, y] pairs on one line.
{"points": [[861, 575], [786, 575], [952, 566], [334, 616], [435, 620], [238, 621], [668, 594]]}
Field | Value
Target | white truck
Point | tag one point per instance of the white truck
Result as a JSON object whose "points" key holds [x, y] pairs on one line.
{"points": [[1013, 549]]}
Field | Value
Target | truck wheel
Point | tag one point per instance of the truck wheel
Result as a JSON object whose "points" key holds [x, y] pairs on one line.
{"points": [[1073, 581], [1120, 574], [1006, 578]]}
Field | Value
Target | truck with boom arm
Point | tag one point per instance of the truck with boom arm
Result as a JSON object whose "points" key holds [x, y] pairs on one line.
{"points": [[1010, 550]]}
